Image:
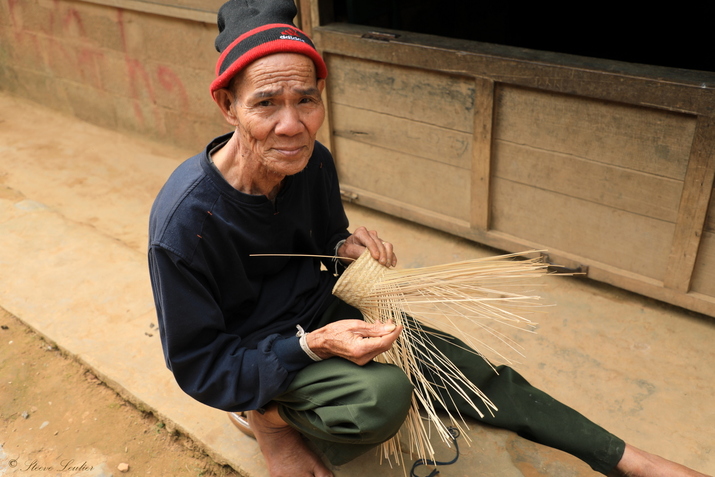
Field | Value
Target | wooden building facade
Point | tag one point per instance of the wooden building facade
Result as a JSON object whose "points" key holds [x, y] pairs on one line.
{"points": [[608, 166]]}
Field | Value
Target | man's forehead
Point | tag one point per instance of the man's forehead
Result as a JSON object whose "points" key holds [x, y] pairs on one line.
{"points": [[279, 71]]}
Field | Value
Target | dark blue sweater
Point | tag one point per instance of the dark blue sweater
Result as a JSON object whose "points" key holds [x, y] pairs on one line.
{"points": [[228, 320]]}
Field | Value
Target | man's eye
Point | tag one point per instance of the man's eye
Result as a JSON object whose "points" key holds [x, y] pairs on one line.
{"points": [[263, 103]]}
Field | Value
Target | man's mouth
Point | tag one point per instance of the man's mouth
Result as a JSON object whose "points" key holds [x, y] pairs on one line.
{"points": [[289, 151]]}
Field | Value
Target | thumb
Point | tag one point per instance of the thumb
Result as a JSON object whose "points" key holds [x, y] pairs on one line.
{"points": [[380, 329]]}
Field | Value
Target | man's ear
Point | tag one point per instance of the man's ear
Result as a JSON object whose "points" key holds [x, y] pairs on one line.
{"points": [[224, 99], [321, 85]]}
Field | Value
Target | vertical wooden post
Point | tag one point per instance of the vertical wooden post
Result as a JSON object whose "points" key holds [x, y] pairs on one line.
{"points": [[481, 153], [305, 15], [697, 188], [309, 12], [325, 133]]}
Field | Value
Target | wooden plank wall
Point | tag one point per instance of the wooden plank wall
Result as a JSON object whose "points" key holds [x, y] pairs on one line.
{"points": [[606, 165], [385, 126], [599, 179], [704, 275]]}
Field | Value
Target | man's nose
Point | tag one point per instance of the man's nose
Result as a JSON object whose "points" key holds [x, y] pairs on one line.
{"points": [[289, 122]]}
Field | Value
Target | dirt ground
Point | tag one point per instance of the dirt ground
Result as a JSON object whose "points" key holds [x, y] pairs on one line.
{"points": [[57, 418]]}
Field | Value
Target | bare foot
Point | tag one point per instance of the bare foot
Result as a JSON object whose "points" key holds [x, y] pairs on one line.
{"points": [[284, 449], [638, 463]]}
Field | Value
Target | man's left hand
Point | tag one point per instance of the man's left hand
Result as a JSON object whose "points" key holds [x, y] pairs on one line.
{"points": [[361, 239]]}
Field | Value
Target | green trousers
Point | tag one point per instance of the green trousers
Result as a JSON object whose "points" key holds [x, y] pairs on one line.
{"points": [[346, 409]]}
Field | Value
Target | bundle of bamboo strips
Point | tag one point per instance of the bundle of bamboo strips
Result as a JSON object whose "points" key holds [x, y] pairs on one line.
{"points": [[447, 298]]}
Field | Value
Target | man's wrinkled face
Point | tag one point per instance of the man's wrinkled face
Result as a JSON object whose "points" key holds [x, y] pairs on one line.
{"points": [[278, 110]]}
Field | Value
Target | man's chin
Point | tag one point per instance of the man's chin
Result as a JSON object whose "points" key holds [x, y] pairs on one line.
{"points": [[291, 168], [289, 165]]}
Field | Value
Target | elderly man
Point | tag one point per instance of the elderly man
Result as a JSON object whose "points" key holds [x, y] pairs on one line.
{"points": [[264, 334]]}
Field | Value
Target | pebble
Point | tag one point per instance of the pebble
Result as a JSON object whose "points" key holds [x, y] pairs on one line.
{"points": [[123, 467], [44, 424], [25, 415]]}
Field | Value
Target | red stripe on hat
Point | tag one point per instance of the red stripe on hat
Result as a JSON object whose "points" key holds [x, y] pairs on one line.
{"points": [[238, 40]]}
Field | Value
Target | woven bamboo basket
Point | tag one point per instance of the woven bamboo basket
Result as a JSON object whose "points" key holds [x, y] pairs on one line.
{"points": [[448, 298]]}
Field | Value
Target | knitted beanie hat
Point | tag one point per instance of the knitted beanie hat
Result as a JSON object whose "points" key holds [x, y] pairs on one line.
{"points": [[252, 29]]}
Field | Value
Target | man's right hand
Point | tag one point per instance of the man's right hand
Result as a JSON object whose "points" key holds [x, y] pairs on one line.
{"points": [[354, 340]]}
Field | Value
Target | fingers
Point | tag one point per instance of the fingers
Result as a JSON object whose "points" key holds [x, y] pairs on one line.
{"points": [[375, 330], [379, 249], [365, 348], [382, 251], [375, 245], [360, 328]]}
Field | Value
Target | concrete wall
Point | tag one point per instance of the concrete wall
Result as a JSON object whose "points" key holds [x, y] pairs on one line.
{"points": [[123, 68]]}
